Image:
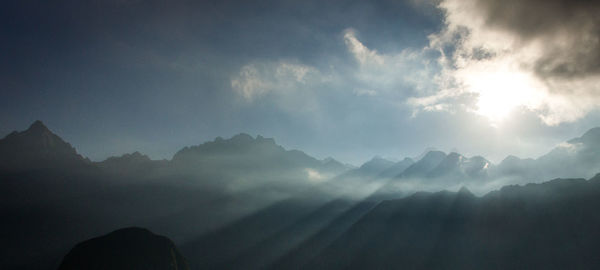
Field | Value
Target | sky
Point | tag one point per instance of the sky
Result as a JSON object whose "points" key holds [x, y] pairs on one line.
{"points": [[343, 79]]}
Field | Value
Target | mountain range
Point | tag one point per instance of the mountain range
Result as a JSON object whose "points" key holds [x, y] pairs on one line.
{"points": [[39, 148], [248, 203]]}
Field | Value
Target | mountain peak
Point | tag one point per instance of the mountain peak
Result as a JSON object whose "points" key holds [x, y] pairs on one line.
{"points": [[38, 125], [435, 155], [36, 147], [377, 163], [425, 152], [242, 137]]}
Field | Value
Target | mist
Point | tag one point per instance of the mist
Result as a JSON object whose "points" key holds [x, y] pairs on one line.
{"points": [[241, 202]]}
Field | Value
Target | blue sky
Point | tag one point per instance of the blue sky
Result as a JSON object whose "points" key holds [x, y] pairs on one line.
{"points": [[347, 79]]}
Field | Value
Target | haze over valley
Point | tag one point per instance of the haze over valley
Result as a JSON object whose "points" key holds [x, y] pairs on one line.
{"points": [[247, 203]]}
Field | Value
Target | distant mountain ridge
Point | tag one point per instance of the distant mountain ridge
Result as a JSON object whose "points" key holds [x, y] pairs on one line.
{"points": [[39, 148], [246, 152], [263, 203], [578, 157], [133, 163]]}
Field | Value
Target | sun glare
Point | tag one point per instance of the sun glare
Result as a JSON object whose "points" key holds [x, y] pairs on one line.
{"points": [[501, 90]]}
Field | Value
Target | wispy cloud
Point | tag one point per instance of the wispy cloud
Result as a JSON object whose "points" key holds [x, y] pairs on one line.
{"points": [[259, 79], [361, 53], [392, 77]]}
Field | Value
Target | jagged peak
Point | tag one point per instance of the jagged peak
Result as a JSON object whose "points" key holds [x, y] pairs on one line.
{"points": [[38, 124], [247, 138], [37, 128], [37, 132], [37, 147], [239, 142], [242, 137]]}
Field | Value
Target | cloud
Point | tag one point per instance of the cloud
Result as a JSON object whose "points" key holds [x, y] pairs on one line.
{"points": [[540, 55], [390, 77], [399, 75], [314, 175], [360, 52], [249, 84], [258, 79]]}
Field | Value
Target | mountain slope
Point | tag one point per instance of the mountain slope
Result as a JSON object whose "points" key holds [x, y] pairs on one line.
{"points": [[251, 156], [131, 164], [423, 166], [552, 225], [397, 168], [36, 148], [368, 170]]}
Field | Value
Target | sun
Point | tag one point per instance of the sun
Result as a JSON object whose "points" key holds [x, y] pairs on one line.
{"points": [[500, 90]]}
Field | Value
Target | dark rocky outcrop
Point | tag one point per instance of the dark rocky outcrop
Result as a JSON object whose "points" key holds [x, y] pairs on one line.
{"points": [[129, 248]]}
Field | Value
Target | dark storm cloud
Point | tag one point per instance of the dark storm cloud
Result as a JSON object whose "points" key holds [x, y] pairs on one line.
{"points": [[539, 55], [569, 29]]}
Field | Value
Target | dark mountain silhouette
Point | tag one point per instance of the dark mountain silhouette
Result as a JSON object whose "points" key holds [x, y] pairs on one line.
{"points": [[260, 239], [134, 163], [243, 152], [311, 247], [248, 203], [257, 161], [37, 148], [129, 248], [54, 205], [552, 225]]}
